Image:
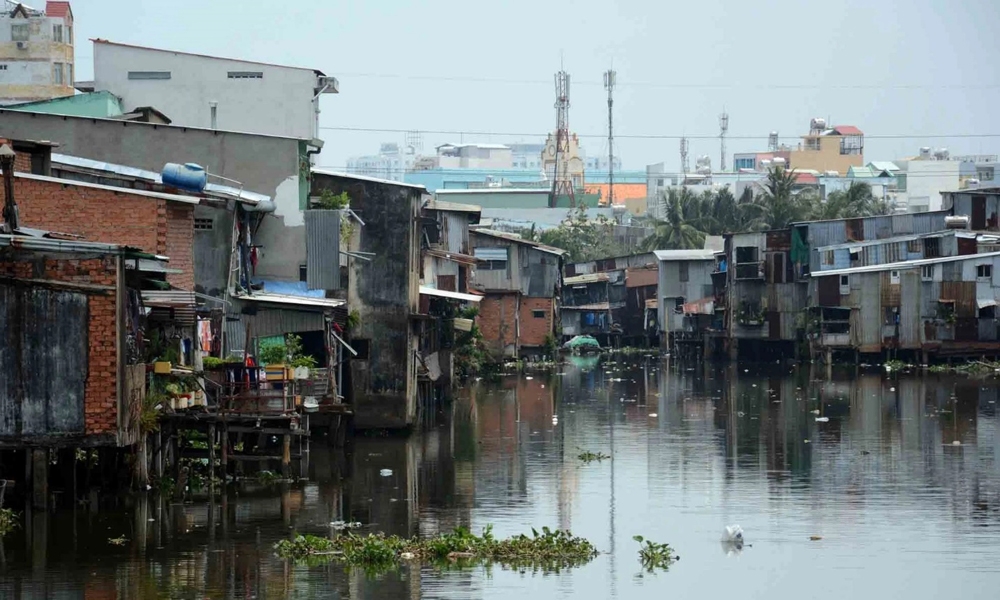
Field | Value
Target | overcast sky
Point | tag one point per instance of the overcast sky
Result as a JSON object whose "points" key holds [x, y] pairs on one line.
{"points": [[914, 68]]}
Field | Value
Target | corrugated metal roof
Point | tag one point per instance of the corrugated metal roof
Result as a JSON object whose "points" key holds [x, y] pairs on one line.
{"points": [[896, 239], [910, 264], [641, 277], [110, 188], [48, 244], [883, 165], [705, 306], [168, 298], [501, 190], [452, 206], [342, 175], [293, 300], [429, 291], [695, 254], [490, 253], [242, 195], [588, 278], [518, 240], [861, 172]]}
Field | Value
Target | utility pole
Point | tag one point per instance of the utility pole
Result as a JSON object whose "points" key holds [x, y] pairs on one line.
{"points": [[684, 156], [609, 84], [723, 129]]}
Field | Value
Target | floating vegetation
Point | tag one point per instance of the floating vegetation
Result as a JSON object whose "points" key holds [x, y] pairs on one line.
{"points": [[896, 365], [549, 550], [265, 476], [118, 541], [655, 556], [9, 521], [589, 457], [974, 367]]}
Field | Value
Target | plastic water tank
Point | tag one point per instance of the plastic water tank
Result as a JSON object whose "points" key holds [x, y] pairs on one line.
{"points": [[188, 176]]}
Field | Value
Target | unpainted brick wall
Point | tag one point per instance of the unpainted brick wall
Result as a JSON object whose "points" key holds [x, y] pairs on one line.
{"points": [[113, 217], [534, 329], [100, 407], [497, 321]]}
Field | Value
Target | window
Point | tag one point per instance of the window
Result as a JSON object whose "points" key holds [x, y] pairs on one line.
{"points": [[57, 33], [901, 182], [203, 224], [845, 285], [491, 259], [3, 67], [927, 273], [303, 273], [69, 34], [932, 248], [362, 347], [246, 74], [828, 257], [149, 74], [69, 75], [57, 73], [746, 254], [894, 277], [984, 271], [682, 271], [913, 246], [538, 314], [19, 32], [659, 182]]}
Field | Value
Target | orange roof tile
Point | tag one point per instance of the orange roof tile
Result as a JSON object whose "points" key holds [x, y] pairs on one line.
{"points": [[623, 191]]}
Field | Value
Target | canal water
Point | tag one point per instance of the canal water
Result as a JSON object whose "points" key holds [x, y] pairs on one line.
{"points": [[898, 477]]}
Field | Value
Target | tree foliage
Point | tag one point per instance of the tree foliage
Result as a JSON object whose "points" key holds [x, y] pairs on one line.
{"points": [[779, 202], [583, 238]]}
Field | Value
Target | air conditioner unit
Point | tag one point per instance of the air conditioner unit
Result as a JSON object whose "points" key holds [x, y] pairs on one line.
{"points": [[22, 45]]}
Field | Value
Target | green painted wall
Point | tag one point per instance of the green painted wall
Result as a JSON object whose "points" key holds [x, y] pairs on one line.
{"points": [[95, 104]]}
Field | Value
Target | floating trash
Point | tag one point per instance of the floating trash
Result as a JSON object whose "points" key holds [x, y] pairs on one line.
{"points": [[385, 472], [822, 419], [733, 533], [653, 415]]}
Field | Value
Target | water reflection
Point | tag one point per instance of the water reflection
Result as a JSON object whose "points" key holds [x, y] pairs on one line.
{"points": [[869, 464]]}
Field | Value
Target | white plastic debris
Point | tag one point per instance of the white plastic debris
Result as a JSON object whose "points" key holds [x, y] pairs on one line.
{"points": [[733, 533], [822, 419], [653, 415], [406, 555], [815, 412], [385, 472], [956, 443]]}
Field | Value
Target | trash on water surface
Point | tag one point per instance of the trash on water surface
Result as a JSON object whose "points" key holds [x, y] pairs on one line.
{"points": [[385, 472], [733, 533], [822, 419]]}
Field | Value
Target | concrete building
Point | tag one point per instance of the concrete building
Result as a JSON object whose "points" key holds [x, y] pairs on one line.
{"points": [[521, 281], [572, 158], [273, 167], [196, 90], [826, 149], [390, 163], [922, 180], [36, 52]]}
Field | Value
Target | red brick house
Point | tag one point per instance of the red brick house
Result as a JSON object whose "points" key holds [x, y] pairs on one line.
{"points": [[157, 223], [64, 318], [521, 281]]}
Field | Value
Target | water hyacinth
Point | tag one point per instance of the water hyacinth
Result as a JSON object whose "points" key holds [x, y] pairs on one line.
{"points": [[549, 551], [655, 556]]}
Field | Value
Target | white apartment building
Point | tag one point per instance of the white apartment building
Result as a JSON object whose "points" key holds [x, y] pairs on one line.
{"points": [[390, 163], [36, 52], [196, 90]]}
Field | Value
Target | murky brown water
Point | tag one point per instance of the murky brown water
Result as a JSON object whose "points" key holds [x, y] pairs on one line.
{"points": [[902, 511]]}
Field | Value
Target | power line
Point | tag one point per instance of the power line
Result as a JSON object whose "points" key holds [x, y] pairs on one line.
{"points": [[651, 136], [681, 85]]}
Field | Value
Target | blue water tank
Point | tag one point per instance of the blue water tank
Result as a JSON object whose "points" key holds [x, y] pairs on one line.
{"points": [[188, 176]]}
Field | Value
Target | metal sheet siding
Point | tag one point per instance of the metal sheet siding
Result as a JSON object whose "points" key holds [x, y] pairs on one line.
{"points": [[323, 249], [868, 286], [267, 323], [910, 323], [43, 361], [455, 225]]}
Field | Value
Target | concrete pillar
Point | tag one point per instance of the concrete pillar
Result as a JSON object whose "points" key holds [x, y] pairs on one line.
{"points": [[39, 477], [829, 363], [211, 457], [225, 453], [734, 349]]}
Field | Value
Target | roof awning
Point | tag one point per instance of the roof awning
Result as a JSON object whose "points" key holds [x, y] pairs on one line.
{"points": [[293, 300], [985, 302], [429, 291], [462, 259]]}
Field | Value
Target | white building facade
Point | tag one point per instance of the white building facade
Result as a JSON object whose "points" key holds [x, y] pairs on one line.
{"points": [[189, 88], [390, 163], [36, 52]]}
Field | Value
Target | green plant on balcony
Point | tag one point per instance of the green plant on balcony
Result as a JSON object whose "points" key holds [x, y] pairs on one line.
{"points": [[749, 315]]}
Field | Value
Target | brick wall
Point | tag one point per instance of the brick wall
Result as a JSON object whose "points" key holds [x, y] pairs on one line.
{"points": [[113, 217], [100, 409], [534, 329], [497, 320]]}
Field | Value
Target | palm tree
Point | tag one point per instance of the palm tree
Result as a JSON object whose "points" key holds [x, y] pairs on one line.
{"points": [[674, 231], [780, 204], [856, 201]]}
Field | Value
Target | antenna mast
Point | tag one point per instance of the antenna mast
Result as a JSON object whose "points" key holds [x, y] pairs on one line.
{"points": [[609, 84], [562, 183], [723, 130], [684, 156]]}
